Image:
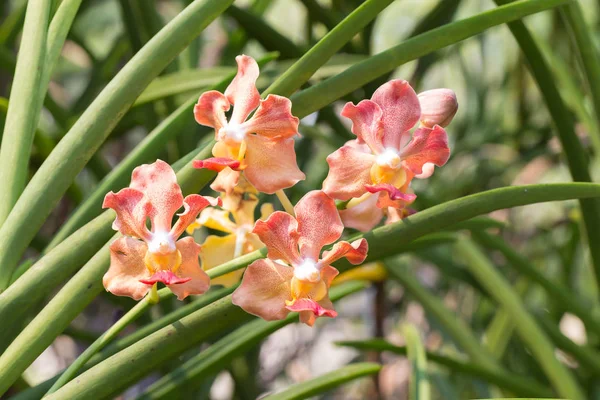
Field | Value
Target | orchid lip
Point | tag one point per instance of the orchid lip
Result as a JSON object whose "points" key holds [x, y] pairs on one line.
{"points": [[389, 157], [307, 271], [161, 243], [232, 132]]}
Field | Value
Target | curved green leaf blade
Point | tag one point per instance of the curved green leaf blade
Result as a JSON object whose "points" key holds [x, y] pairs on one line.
{"points": [[419, 379], [326, 382]]}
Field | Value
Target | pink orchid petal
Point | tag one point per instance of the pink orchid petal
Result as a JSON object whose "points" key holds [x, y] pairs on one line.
{"points": [[271, 164], [242, 92], [364, 216], [328, 273], [393, 192], [438, 107], [193, 204], [198, 281], [367, 123], [280, 234], [401, 110], [217, 164], [354, 252], [264, 290], [158, 182], [319, 223], [349, 172], [127, 268], [132, 209], [273, 118], [166, 277], [210, 110], [226, 181], [427, 146], [310, 310]]}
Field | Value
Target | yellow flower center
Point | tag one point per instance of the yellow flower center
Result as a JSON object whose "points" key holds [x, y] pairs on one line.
{"points": [[302, 289], [162, 262], [385, 174]]}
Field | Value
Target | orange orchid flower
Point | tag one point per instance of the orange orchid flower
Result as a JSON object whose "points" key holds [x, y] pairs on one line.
{"points": [[386, 155], [262, 146], [145, 256], [294, 276]]}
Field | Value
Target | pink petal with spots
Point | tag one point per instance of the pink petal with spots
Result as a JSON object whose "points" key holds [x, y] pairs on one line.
{"points": [[132, 209], [198, 281], [271, 164], [354, 252], [367, 123], [273, 118], [166, 277], [319, 223], [428, 169], [401, 110], [349, 172], [427, 146], [264, 290], [210, 110], [280, 234], [127, 268], [158, 182], [242, 92], [217, 164], [364, 216]]}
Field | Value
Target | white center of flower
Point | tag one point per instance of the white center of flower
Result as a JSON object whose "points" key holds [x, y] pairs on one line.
{"points": [[389, 157], [232, 132], [161, 243], [307, 271]]}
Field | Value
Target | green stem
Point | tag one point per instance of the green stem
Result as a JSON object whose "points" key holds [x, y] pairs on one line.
{"points": [[325, 382], [24, 110], [419, 383], [293, 78], [531, 334]]}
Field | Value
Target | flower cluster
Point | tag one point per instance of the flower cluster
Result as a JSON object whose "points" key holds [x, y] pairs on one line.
{"points": [[253, 153]]}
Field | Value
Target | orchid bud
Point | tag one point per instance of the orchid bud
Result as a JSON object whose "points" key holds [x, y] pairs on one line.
{"points": [[438, 107]]}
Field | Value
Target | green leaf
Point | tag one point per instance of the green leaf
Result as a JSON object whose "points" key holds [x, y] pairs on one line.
{"points": [[512, 382], [577, 159], [220, 354], [83, 139], [530, 333], [293, 78], [325, 382], [322, 94], [419, 379], [455, 327], [24, 108]]}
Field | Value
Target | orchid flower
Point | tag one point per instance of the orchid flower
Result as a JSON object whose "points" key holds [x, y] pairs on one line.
{"points": [[386, 156], [261, 146], [236, 219], [294, 277], [145, 256]]}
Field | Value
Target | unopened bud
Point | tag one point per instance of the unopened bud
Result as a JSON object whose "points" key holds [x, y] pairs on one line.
{"points": [[438, 107]]}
